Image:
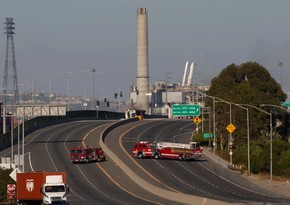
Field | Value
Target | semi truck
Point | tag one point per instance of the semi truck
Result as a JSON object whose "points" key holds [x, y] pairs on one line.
{"points": [[37, 188], [169, 150], [86, 155]]}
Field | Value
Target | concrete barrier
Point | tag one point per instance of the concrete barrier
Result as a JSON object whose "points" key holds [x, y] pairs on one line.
{"points": [[170, 195]]}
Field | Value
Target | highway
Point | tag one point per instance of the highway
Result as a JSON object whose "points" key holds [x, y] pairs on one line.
{"points": [[202, 177], [105, 183]]}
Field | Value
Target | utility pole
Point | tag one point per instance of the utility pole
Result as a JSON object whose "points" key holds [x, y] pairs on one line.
{"points": [[10, 91], [10, 74]]}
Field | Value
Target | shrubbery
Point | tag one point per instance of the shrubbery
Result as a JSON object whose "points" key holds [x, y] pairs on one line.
{"points": [[5, 179], [259, 155]]}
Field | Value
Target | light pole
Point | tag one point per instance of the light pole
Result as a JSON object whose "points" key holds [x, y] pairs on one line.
{"points": [[230, 140], [168, 76], [281, 73], [67, 89], [271, 137], [248, 128], [248, 136], [277, 106]]}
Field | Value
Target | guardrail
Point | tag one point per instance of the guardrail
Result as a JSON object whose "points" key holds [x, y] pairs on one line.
{"points": [[44, 121]]}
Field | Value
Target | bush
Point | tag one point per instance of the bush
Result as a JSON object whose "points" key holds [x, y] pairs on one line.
{"points": [[199, 138], [5, 179], [260, 156]]}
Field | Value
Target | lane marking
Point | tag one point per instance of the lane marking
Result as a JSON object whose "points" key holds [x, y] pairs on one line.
{"points": [[109, 176], [134, 161], [123, 188], [81, 171]]}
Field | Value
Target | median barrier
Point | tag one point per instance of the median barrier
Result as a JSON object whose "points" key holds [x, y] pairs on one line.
{"points": [[170, 195]]}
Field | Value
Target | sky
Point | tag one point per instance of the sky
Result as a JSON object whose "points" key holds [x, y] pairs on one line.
{"points": [[58, 42]]}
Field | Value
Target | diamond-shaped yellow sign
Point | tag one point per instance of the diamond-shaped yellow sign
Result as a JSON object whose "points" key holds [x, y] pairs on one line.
{"points": [[231, 128], [196, 120]]}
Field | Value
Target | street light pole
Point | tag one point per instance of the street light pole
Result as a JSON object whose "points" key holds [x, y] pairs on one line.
{"points": [[231, 138], [67, 87], [277, 106], [248, 127], [94, 101], [271, 137], [271, 148], [248, 138], [214, 136], [271, 133], [281, 75]]}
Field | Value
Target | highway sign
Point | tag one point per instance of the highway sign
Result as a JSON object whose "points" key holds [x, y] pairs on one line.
{"points": [[231, 128], [196, 120], [207, 135], [185, 110], [286, 104]]}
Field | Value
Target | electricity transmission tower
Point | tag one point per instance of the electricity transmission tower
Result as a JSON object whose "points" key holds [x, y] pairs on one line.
{"points": [[10, 85]]}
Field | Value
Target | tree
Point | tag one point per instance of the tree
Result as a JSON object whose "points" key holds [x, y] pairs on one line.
{"points": [[5, 179], [251, 83]]}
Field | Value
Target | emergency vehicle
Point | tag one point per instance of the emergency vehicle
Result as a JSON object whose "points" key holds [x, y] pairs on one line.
{"points": [[90, 154], [169, 150]]}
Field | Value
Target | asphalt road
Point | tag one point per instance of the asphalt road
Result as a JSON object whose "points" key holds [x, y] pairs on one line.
{"points": [[47, 149], [202, 177], [105, 183]]}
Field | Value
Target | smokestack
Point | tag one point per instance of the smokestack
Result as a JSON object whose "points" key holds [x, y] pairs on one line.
{"points": [[142, 60]]}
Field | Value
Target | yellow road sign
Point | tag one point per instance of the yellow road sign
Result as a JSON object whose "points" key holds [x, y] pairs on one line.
{"points": [[196, 120], [231, 128]]}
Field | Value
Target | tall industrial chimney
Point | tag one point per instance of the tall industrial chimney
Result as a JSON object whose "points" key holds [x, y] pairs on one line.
{"points": [[142, 60]]}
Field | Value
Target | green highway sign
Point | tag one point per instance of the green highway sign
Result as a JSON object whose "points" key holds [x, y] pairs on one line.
{"points": [[286, 104], [185, 110], [207, 135]]}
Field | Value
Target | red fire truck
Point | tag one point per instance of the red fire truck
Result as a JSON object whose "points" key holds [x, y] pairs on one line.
{"points": [[168, 150], [90, 154]]}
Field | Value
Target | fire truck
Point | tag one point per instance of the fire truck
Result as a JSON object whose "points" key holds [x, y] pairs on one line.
{"points": [[169, 150], [86, 155]]}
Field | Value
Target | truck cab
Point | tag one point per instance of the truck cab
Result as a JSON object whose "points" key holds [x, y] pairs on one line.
{"points": [[54, 191], [143, 149]]}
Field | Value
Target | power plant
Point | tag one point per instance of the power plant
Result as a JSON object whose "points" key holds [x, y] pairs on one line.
{"points": [[157, 98]]}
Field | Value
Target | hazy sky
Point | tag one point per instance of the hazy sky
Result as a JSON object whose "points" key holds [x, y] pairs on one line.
{"points": [[61, 36]]}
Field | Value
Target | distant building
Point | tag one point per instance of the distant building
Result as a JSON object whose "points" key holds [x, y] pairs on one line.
{"points": [[162, 96]]}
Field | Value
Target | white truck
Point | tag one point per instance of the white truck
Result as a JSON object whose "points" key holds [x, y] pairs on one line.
{"points": [[41, 188]]}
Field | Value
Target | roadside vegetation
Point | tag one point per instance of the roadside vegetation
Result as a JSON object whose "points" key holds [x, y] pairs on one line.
{"points": [[5, 179], [250, 86]]}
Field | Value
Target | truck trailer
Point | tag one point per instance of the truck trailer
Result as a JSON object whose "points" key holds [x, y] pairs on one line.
{"points": [[37, 188]]}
